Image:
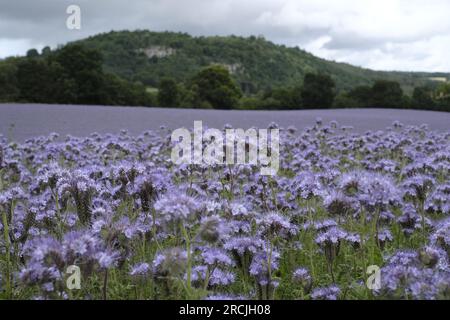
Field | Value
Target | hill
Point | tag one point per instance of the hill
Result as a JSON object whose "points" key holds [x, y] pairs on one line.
{"points": [[254, 62]]}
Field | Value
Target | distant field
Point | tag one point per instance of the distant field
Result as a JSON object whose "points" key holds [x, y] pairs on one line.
{"points": [[22, 121]]}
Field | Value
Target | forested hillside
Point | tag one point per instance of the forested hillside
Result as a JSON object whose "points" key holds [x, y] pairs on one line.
{"points": [[254, 62], [168, 69]]}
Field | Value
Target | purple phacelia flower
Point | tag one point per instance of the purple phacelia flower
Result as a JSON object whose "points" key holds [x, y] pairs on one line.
{"points": [[140, 269], [326, 293]]}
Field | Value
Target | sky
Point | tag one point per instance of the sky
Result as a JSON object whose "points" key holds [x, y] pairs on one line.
{"points": [[406, 35]]}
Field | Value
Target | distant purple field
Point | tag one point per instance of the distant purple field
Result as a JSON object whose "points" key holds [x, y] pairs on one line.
{"points": [[22, 121]]}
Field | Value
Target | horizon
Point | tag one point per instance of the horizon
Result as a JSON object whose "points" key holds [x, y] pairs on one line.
{"points": [[404, 36]]}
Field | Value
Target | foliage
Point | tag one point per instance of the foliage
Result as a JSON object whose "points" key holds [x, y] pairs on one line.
{"points": [[73, 74], [8, 81], [176, 70], [168, 93], [258, 63], [317, 91], [386, 94], [215, 86], [422, 98]]}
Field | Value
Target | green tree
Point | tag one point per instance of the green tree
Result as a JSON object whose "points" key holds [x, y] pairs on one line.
{"points": [[46, 51], [62, 89], [344, 100], [422, 98], [33, 79], [215, 86], [9, 91], [32, 53], [288, 98], [318, 91], [118, 91], [361, 96], [84, 67], [281, 98], [73, 74], [442, 95], [168, 93], [387, 94]]}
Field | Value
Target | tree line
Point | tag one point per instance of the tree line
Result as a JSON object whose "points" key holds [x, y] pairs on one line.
{"points": [[75, 74], [70, 75], [213, 87]]}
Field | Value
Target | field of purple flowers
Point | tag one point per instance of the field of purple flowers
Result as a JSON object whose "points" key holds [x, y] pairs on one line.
{"points": [[139, 227]]}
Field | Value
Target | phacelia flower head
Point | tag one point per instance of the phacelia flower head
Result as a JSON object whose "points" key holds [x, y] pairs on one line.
{"points": [[326, 293]]}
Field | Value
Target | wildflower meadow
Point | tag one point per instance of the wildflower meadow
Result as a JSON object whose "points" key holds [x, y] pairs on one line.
{"points": [[347, 216]]}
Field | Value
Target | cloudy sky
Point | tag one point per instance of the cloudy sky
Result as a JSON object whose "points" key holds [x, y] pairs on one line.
{"points": [[378, 34]]}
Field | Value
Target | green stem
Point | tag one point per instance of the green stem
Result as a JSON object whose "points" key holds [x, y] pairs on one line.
{"points": [[58, 214], [422, 213], [105, 284], [312, 244], [269, 267], [154, 230], [189, 260], [8, 255]]}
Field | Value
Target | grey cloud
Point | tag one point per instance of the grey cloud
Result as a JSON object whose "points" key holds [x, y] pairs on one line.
{"points": [[43, 23], [353, 41]]}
